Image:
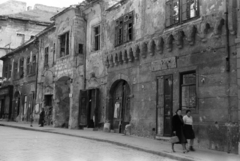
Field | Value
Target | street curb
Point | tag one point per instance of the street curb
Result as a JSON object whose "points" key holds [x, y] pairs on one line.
{"points": [[162, 154]]}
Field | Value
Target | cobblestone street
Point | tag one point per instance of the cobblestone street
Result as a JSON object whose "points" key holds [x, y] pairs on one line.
{"points": [[23, 145]]}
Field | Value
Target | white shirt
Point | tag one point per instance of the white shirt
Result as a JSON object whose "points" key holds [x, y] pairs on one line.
{"points": [[187, 120]]}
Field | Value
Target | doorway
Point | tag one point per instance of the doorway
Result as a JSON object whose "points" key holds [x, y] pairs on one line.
{"points": [[48, 109], [120, 105], [89, 108], [2, 108]]}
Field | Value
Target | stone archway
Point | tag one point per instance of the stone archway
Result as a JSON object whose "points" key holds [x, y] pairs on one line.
{"points": [[119, 105], [62, 109]]}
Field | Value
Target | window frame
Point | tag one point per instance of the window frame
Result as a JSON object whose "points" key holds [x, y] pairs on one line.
{"points": [[96, 38], [21, 67], [9, 70], [122, 29], [66, 41], [180, 12], [33, 64], [185, 85], [28, 63], [46, 56], [16, 72]]}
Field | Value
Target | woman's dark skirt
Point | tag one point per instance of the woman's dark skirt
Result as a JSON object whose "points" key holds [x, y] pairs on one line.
{"points": [[188, 132]]}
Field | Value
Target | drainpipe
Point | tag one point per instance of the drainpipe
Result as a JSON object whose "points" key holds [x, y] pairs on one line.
{"points": [[37, 63]]}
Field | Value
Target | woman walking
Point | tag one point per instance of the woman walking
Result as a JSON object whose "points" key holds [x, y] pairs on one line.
{"points": [[188, 128], [177, 128]]}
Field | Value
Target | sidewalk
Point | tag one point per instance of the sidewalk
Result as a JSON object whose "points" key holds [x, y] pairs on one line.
{"points": [[152, 146]]}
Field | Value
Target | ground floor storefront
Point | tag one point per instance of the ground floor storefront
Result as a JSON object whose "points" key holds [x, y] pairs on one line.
{"points": [[6, 102]]}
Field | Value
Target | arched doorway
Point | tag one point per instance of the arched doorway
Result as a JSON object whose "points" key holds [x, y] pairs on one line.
{"points": [[62, 89], [119, 111], [16, 104]]}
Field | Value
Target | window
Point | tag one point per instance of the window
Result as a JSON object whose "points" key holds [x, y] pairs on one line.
{"points": [[46, 56], [21, 70], [10, 70], [188, 90], [64, 44], [180, 11], [96, 31], [28, 65], [6, 69], [80, 48], [124, 29], [53, 53], [16, 69], [34, 62]]}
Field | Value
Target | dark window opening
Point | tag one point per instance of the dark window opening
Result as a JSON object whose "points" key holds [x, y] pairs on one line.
{"points": [[16, 70], [180, 11], [28, 65], [124, 29], [188, 90], [21, 70], [64, 44], [6, 70], [80, 48], [34, 64], [97, 38], [10, 70], [46, 53]]}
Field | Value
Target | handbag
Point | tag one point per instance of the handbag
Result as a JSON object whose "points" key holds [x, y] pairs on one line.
{"points": [[174, 139]]}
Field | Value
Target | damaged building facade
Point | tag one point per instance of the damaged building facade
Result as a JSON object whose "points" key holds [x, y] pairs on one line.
{"points": [[163, 55], [137, 62]]}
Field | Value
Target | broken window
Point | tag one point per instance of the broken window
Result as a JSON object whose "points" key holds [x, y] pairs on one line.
{"points": [[124, 29], [46, 53], [96, 38], [181, 10], [64, 44], [28, 65], [188, 90], [21, 70]]}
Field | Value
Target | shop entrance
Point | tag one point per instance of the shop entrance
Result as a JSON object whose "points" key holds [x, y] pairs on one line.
{"points": [[119, 110]]}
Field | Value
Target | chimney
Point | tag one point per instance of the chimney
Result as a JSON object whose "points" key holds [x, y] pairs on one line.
{"points": [[29, 8]]}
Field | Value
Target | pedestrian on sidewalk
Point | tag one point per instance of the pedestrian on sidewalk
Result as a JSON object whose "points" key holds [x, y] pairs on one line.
{"points": [[188, 129], [42, 118], [177, 130], [31, 120]]}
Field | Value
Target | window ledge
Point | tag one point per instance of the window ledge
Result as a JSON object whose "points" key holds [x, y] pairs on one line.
{"points": [[183, 24], [64, 57]]}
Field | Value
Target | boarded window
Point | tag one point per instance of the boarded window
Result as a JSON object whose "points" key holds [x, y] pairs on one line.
{"points": [[96, 31], [124, 29], [64, 44], [188, 90]]}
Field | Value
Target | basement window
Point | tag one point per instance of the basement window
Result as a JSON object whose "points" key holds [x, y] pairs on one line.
{"points": [[64, 44], [180, 11], [124, 29], [188, 90]]}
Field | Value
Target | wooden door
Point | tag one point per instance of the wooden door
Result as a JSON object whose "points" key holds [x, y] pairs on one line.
{"points": [[168, 104]]}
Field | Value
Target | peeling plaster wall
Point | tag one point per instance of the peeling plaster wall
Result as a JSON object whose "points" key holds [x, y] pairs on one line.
{"points": [[72, 64], [217, 104]]}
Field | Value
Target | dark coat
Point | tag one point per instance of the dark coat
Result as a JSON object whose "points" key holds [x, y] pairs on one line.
{"points": [[177, 125], [41, 118]]}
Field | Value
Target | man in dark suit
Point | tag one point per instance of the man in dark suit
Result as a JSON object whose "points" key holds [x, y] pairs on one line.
{"points": [[41, 118]]}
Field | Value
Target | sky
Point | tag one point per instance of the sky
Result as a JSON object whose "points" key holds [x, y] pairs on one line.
{"points": [[56, 3]]}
